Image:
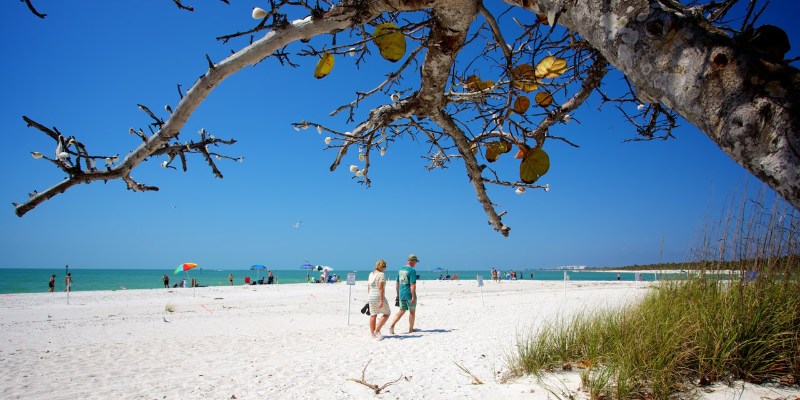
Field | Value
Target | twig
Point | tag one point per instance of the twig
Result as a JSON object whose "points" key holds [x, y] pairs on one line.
{"points": [[33, 10], [377, 389]]}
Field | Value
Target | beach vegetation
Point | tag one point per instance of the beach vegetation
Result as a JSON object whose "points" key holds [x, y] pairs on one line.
{"points": [[693, 331]]}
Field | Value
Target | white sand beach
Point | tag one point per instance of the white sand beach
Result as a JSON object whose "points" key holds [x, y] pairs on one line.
{"points": [[292, 342]]}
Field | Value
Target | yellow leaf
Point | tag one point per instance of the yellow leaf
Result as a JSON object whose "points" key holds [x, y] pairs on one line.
{"points": [[390, 41], [535, 164], [522, 103], [551, 67], [324, 66], [524, 77], [544, 99]]}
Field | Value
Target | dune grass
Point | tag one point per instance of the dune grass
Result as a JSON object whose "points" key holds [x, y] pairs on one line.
{"points": [[694, 331]]}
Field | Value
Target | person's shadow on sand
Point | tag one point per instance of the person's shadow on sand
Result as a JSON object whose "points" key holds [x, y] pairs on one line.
{"points": [[417, 332]]}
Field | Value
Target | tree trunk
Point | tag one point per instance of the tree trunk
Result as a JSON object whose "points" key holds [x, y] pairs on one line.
{"points": [[747, 105]]}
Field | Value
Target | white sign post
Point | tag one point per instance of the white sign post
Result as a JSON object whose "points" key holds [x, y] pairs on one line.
{"points": [[351, 281], [566, 278], [480, 285]]}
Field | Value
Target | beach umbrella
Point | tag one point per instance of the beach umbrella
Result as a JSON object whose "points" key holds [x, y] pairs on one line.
{"points": [[440, 269], [185, 267], [306, 266], [257, 267]]}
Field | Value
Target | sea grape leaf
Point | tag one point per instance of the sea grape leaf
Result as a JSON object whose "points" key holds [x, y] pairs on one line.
{"points": [[486, 85], [534, 165], [524, 78], [324, 66], [494, 149], [551, 67], [390, 41], [522, 103], [544, 99]]}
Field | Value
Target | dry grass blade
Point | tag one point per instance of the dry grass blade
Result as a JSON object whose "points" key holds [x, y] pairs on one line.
{"points": [[475, 379]]}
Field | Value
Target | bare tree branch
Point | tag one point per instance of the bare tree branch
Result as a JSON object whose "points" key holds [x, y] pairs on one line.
{"points": [[33, 9]]}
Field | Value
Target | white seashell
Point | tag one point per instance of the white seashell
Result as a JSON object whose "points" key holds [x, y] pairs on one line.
{"points": [[259, 13]]}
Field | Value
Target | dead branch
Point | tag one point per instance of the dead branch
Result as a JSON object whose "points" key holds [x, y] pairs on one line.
{"points": [[33, 9], [375, 388]]}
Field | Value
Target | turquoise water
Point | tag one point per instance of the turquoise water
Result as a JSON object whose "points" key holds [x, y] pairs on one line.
{"points": [[25, 280]]}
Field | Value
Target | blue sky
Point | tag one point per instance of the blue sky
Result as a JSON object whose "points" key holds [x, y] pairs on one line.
{"points": [[85, 67]]}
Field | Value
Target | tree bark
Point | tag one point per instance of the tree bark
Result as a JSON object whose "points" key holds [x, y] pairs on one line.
{"points": [[747, 105]]}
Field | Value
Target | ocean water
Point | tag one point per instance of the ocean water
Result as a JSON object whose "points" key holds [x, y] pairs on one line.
{"points": [[29, 280]]}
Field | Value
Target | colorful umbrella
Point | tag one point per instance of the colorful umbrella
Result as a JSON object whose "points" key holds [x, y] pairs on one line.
{"points": [[185, 267], [306, 266]]}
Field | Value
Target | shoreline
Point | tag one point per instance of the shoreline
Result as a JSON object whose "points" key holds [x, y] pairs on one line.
{"points": [[288, 341]]}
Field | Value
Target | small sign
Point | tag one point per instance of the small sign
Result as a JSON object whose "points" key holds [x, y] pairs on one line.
{"points": [[351, 278], [480, 280]]}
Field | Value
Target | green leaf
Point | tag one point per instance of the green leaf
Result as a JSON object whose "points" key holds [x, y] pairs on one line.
{"points": [[535, 164]]}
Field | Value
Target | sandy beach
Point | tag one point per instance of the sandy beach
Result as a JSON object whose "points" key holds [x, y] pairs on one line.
{"points": [[293, 342]]}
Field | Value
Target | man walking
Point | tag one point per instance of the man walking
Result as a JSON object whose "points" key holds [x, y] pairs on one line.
{"points": [[407, 293]]}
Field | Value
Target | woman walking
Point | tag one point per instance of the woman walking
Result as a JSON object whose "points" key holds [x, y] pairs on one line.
{"points": [[376, 295]]}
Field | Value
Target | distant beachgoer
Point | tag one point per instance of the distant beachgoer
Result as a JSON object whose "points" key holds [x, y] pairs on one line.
{"points": [[270, 278], [52, 283], [376, 295], [531, 275], [68, 282], [230, 278], [407, 293], [165, 278], [618, 276], [324, 276]]}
